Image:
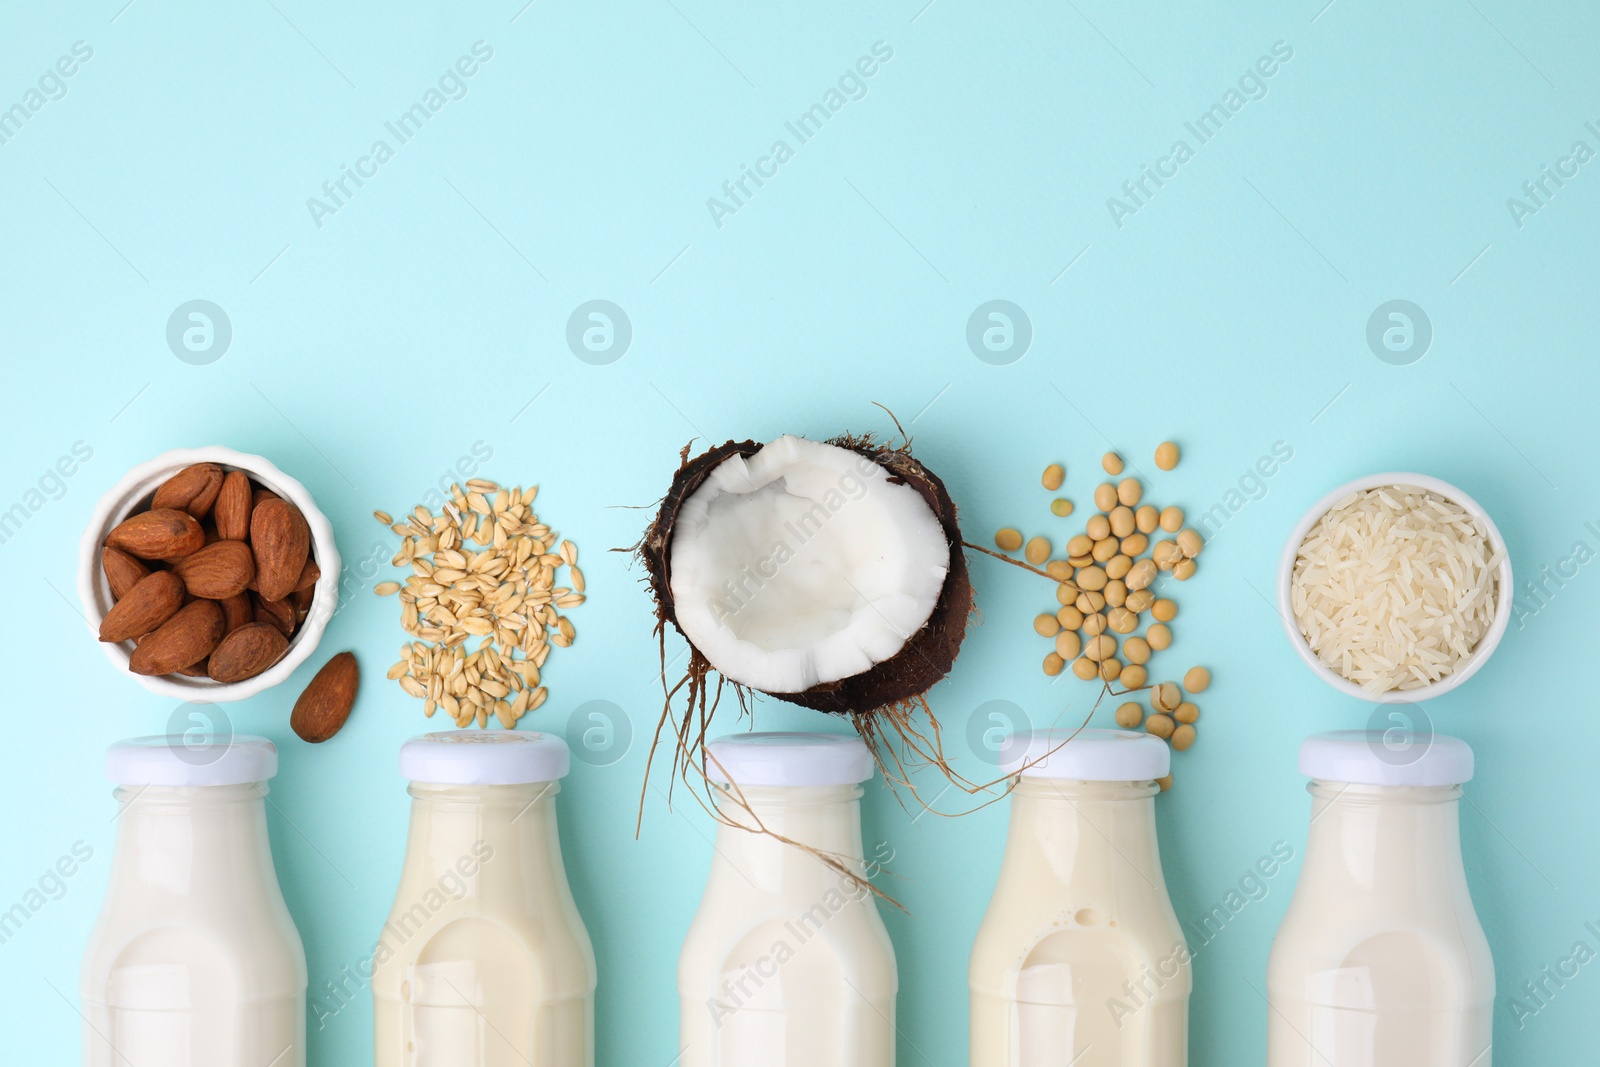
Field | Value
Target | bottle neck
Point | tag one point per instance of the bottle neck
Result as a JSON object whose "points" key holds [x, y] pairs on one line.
{"points": [[1402, 841], [463, 834], [760, 827], [189, 840], [1062, 828]]}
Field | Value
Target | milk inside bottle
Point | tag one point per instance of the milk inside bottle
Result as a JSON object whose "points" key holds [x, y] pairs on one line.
{"points": [[787, 962], [194, 961], [1380, 960], [484, 961], [1080, 959]]}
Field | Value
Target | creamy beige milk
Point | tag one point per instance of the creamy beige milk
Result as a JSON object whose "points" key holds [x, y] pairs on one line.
{"points": [[787, 962], [1080, 959], [194, 961], [485, 961], [1380, 960]]}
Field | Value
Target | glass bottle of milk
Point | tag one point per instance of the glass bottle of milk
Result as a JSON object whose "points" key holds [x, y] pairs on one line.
{"points": [[1380, 960], [194, 961], [484, 961], [1080, 958], [787, 963]]}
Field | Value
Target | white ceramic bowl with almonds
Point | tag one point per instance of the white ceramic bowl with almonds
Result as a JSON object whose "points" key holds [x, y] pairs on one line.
{"points": [[132, 496]]}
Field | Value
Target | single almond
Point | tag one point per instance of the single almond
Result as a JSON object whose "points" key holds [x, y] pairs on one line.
{"points": [[246, 652], [258, 494], [237, 611], [279, 613], [232, 510], [217, 571], [193, 489], [308, 577], [163, 533], [325, 705], [281, 541], [181, 641], [122, 571], [153, 600]]}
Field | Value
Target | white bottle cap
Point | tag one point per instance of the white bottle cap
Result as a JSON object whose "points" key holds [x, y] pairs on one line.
{"points": [[789, 759], [192, 759], [1386, 757], [1088, 755], [485, 757]]}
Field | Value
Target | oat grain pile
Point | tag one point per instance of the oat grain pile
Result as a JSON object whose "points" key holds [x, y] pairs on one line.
{"points": [[500, 596]]}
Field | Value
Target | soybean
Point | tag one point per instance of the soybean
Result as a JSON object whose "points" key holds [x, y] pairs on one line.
{"points": [[1183, 737], [1164, 610], [1147, 518], [1137, 649], [1061, 506], [1105, 496], [1141, 574], [1098, 528], [1090, 600], [1184, 569], [1038, 550], [1104, 549], [1112, 463], [1080, 545], [1053, 664], [1129, 715], [1069, 617], [1171, 519], [1166, 455], [1140, 600], [1160, 725], [1122, 621], [1046, 625], [1196, 679], [1186, 712], [1134, 545], [1094, 624], [1115, 592], [1059, 569], [1133, 675], [1053, 476], [1110, 670], [1091, 579], [1066, 593], [1190, 542], [1121, 519], [1008, 540], [1068, 645], [1100, 648], [1165, 782], [1084, 668], [1166, 697], [1129, 491], [1159, 637]]}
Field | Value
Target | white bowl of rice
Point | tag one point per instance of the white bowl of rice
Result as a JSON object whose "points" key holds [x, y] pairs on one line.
{"points": [[1395, 587]]}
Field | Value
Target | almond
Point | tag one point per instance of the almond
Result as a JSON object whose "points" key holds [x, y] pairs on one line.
{"points": [[308, 577], [247, 651], [281, 541], [122, 571], [193, 489], [218, 571], [237, 611], [153, 600], [183, 640], [258, 494], [325, 705], [232, 510], [164, 533], [279, 613]]}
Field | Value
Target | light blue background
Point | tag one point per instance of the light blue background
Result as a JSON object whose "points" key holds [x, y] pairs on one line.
{"points": [[429, 313]]}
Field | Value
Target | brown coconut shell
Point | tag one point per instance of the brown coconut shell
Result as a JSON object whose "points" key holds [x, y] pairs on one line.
{"points": [[927, 657]]}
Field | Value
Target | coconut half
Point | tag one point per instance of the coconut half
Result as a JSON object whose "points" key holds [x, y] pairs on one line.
{"points": [[827, 574]]}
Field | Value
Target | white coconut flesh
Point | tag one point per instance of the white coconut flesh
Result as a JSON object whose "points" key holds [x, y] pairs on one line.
{"points": [[802, 565]]}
